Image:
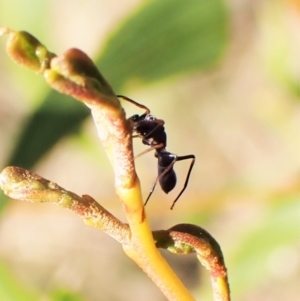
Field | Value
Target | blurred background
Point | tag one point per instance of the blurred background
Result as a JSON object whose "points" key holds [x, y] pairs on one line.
{"points": [[225, 77]]}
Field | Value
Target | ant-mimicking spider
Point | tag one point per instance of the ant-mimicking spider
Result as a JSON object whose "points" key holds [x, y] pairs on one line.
{"points": [[153, 134]]}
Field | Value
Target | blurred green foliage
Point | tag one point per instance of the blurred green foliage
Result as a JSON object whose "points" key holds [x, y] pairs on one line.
{"points": [[11, 290], [64, 295], [278, 53], [270, 234]]}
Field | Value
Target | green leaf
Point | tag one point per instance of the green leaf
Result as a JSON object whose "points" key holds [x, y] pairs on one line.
{"points": [[165, 38], [57, 117]]}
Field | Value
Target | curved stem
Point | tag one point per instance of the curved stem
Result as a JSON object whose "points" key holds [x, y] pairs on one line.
{"points": [[186, 239], [23, 185]]}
